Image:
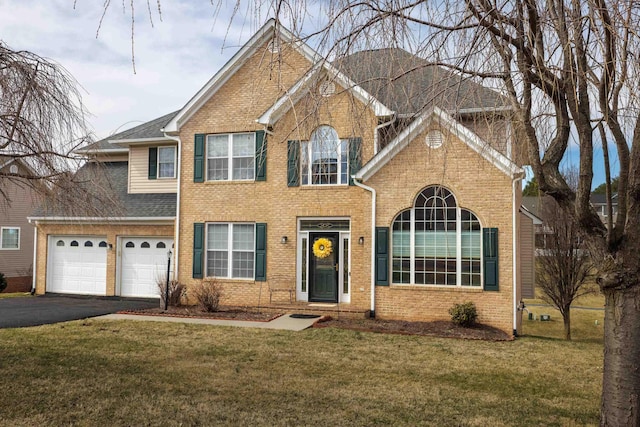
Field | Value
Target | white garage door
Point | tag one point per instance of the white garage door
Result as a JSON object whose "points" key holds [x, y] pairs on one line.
{"points": [[143, 264], [77, 265]]}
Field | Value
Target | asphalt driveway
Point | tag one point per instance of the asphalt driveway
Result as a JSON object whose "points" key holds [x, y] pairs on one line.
{"points": [[46, 309]]}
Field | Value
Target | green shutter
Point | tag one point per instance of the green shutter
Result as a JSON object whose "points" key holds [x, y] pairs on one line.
{"points": [[261, 156], [198, 159], [293, 163], [355, 157], [382, 256], [261, 252], [490, 258], [198, 249], [153, 162]]}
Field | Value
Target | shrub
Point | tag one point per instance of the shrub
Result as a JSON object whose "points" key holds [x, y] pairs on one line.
{"points": [[464, 314], [3, 282], [176, 291], [208, 295]]}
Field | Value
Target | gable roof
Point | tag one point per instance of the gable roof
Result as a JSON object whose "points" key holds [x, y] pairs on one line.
{"points": [[148, 131], [105, 184], [434, 113], [408, 84], [270, 29]]}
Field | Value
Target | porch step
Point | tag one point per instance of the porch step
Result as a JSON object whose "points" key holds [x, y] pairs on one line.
{"points": [[334, 310]]}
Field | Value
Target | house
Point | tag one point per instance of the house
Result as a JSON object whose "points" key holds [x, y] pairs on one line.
{"points": [[16, 234], [287, 169], [599, 203]]}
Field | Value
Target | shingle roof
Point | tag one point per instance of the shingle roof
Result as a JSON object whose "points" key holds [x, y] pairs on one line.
{"points": [[102, 192], [150, 129], [408, 84]]}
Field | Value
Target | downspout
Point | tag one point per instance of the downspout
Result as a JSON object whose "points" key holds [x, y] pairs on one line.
{"points": [[35, 252], [373, 246], [176, 233], [375, 134], [514, 243]]}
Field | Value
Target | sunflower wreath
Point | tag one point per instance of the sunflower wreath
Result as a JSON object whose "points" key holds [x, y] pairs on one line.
{"points": [[322, 248]]}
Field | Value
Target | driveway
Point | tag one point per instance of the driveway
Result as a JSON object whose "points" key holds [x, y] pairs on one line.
{"points": [[46, 309]]}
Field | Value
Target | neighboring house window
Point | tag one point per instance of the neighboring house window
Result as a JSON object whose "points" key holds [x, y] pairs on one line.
{"points": [[231, 157], [324, 158], [436, 242], [230, 250], [10, 238], [166, 162]]}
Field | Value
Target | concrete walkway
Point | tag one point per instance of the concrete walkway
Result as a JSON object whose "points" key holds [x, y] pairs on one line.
{"points": [[284, 322]]}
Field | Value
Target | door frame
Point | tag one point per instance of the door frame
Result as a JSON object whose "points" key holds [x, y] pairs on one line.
{"points": [[312, 262], [302, 267]]}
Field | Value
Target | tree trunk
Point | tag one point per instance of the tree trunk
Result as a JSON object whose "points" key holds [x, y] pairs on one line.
{"points": [[566, 318], [621, 377]]}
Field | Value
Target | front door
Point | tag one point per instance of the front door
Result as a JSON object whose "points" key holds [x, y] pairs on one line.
{"points": [[324, 251]]}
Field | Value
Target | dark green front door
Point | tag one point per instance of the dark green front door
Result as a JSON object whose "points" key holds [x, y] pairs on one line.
{"points": [[323, 268]]}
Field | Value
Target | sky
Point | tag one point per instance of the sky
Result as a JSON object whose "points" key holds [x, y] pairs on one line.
{"points": [[174, 57]]}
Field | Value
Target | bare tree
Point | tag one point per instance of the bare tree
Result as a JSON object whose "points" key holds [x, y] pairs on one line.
{"points": [[563, 265], [42, 122], [567, 68]]}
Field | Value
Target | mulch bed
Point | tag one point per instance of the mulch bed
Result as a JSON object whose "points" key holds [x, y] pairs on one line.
{"points": [[442, 329], [224, 313]]}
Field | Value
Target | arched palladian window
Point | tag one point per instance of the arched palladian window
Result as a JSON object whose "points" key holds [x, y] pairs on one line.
{"points": [[436, 242], [324, 158]]}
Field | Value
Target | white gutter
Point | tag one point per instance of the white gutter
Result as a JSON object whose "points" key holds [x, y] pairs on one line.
{"points": [[176, 232], [375, 135], [373, 245], [35, 251], [514, 243], [100, 219]]}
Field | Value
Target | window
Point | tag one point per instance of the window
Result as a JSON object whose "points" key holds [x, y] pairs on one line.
{"points": [[231, 157], [10, 238], [436, 242], [230, 250], [145, 245], [166, 162], [88, 244], [324, 158], [74, 243], [160, 245]]}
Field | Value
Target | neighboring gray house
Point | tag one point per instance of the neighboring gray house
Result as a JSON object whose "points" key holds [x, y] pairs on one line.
{"points": [[16, 234], [599, 202]]}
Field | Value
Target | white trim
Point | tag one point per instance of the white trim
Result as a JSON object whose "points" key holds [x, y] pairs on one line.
{"points": [[176, 231], [230, 250], [2, 232], [295, 93], [229, 69], [490, 154], [161, 139], [514, 255], [102, 151], [175, 160], [35, 258], [483, 109], [230, 157], [526, 212], [100, 219]]}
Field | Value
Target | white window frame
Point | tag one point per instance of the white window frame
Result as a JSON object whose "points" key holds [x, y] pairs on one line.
{"points": [[2, 242], [230, 250], [306, 148], [412, 248], [229, 157], [174, 163]]}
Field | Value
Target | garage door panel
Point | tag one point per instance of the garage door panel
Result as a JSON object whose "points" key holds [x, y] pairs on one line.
{"points": [[143, 262], [77, 265]]}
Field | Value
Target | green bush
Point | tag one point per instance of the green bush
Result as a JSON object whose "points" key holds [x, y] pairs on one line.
{"points": [[3, 282], [464, 314]]}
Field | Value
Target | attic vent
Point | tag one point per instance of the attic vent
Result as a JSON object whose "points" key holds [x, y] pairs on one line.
{"points": [[434, 139], [274, 46], [13, 169], [327, 88]]}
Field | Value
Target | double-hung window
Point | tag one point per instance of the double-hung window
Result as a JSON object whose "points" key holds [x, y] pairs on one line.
{"points": [[10, 238], [231, 157], [324, 158], [166, 162], [230, 250]]}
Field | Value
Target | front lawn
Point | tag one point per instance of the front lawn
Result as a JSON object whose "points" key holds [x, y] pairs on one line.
{"points": [[137, 373]]}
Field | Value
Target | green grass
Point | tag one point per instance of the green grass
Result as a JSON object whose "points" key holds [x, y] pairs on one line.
{"points": [[133, 373], [15, 295]]}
